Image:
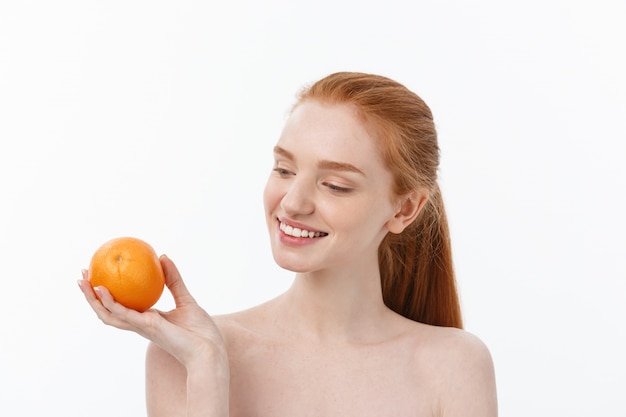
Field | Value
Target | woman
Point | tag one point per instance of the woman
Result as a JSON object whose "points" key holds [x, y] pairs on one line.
{"points": [[371, 325]]}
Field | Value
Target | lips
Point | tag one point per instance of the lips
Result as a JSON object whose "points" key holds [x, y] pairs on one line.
{"points": [[299, 231]]}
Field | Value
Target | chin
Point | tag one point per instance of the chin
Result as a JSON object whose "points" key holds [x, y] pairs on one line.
{"points": [[292, 265]]}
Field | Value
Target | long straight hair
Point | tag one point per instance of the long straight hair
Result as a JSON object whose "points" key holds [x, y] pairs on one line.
{"points": [[416, 268]]}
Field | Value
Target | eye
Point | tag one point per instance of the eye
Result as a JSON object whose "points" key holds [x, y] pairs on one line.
{"points": [[337, 188], [282, 172]]}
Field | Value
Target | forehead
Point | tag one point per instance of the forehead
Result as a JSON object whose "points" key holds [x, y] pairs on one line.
{"points": [[333, 132]]}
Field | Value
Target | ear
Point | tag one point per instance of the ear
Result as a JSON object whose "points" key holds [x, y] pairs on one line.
{"points": [[409, 206]]}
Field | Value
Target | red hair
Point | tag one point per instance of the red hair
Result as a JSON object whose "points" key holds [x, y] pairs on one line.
{"points": [[417, 274]]}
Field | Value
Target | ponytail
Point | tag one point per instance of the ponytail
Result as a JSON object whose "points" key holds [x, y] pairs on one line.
{"points": [[417, 274]]}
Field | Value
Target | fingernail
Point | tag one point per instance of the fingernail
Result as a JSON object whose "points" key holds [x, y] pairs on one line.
{"points": [[84, 273]]}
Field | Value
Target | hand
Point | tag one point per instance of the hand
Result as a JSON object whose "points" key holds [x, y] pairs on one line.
{"points": [[188, 333]]}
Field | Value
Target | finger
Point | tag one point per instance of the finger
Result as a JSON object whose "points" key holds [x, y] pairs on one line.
{"points": [[90, 295], [121, 316], [105, 296], [94, 300], [175, 283]]}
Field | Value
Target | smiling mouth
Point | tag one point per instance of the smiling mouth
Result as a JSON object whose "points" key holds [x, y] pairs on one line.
{"points": [[297, 232]]}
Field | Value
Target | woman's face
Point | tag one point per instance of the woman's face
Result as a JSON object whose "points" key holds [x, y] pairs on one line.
{"points": [[328, 201]]}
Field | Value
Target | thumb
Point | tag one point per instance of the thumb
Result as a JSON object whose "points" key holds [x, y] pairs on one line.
{"points": [[175, 283]]}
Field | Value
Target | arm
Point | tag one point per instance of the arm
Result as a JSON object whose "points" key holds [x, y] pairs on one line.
{"points": [[171, 391], [187, 364], [165, 384]]}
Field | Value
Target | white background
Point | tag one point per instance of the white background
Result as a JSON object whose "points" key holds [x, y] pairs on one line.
{"points": [[156, 119]]}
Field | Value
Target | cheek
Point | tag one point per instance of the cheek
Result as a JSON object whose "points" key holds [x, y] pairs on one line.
{"points": [[271, 196], [368, 217]]}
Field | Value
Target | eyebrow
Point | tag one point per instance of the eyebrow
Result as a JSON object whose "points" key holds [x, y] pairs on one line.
{"points": [[325, 164]]}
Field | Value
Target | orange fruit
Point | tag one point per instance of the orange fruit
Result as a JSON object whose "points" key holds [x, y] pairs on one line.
{"points": [[130, 269]]}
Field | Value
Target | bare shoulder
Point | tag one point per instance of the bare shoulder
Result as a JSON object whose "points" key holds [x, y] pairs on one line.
{"points": [[455, 346], [461, 366], [239, 327]]}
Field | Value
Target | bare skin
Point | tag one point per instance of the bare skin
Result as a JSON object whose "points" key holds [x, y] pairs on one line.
{"points": [[188, 337], [279, 369], [328, 346], [399, 369], [279, 366]]}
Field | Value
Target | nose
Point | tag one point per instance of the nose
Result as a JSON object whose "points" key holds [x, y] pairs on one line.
{"points": [[298, 199]]}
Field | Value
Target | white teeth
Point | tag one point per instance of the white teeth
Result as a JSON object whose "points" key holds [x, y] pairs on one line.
{"points": [[297, 232]]}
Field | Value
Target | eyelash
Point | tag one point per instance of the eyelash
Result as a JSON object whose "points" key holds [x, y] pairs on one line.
{"points": [[282, 172], [335, 188]]}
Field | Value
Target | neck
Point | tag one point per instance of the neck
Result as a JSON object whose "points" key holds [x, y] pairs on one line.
{"points": [[336, 305]]}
